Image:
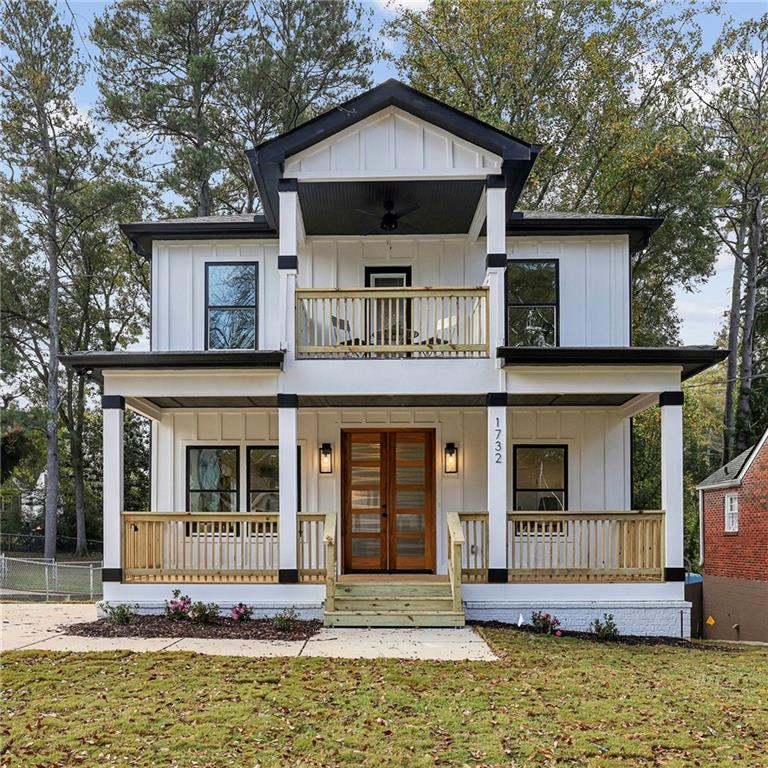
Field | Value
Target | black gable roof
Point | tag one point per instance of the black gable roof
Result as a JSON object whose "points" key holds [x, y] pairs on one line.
{"points": [[266, 160]]}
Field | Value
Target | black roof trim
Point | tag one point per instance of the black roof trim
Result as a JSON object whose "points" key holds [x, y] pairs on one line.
{"points": [[97, 362], [143, 233], [692, 359], [530, 223], [267, 159]]}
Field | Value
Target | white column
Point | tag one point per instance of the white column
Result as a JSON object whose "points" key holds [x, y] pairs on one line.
{"points": [[497, 487], [672, 475], [291, 230], [113, 409], [288, 478], [496, 258]]}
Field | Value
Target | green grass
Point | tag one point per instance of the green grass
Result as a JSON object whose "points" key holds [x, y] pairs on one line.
{"points": [[549, 702]]}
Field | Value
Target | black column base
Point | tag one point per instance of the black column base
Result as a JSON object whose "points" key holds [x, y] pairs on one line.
{"points": [[112, 574], [497, 575], [288, 576], [674, 574]]}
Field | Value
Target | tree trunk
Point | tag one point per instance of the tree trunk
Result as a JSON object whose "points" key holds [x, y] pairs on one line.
{"points": [[733, 343], [744, 418]]}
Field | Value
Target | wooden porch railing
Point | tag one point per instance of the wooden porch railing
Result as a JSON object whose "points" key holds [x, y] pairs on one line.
{"points": [[585, 546], [455, 544], [474, 554], [378, 322], [310, 547], [200, 547], [329, 539]]}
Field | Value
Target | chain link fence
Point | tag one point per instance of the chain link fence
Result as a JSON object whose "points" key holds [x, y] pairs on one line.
{"points": [[40, 579]]}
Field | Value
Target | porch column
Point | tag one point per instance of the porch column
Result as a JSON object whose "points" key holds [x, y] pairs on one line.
{"points": [[287, 406], [672, 482], [497, 486], [288, 260], [496, 258], [113, 410]]}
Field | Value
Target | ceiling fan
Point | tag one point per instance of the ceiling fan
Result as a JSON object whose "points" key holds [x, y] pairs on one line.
{"points": [[390, 221]]}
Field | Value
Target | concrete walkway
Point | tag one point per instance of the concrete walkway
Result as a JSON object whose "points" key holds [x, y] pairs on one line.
{"points": [[37, 626]]}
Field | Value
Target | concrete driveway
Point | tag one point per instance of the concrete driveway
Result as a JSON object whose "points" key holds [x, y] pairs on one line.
{"points": [[37, 626]]}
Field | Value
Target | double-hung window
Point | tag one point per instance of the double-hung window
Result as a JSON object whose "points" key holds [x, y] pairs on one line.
{"points": [[231, 305], [541, 478], [531, 303], [731, 511]]}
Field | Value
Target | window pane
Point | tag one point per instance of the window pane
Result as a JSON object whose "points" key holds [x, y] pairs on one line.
{"points": [[366, 523], [365, 499], [366, 547], [231, 285], [539, 467], [531, 326], [263, 469], [365, 475], [410, 547], [410, 499], [231, 328], [212, 469], [365, 451], [531, 282], [410, 450], [410, 475], [212, 501], [540, 501], [264, 501], [410, 523]]}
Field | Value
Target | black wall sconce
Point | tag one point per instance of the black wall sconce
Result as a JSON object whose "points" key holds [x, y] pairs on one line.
{"points": [[451, 459], [326, 459]]}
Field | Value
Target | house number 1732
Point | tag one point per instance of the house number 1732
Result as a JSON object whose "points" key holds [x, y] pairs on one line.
{"points": [[498, 446]]}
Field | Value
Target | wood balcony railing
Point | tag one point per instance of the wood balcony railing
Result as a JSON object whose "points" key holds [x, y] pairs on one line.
{"points": [[199, 547], [392, 322], [585, 546]]}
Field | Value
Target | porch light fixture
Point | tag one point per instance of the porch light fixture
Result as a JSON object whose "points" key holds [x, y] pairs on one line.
{"points": [[451, 459], [326, 459]]}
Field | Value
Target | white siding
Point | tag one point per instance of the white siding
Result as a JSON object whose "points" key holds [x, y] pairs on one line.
{"points": [[392, 143], [593, 279]]}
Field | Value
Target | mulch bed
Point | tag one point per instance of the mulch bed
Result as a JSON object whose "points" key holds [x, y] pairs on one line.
{"points": [[675, 642], [221, 628]]}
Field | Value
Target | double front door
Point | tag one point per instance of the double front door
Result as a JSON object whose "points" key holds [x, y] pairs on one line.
{"points": [[388, 491]]}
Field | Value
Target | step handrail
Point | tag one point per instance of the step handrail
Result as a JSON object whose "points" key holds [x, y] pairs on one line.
{"points": [[455, 543], [329, 538]]}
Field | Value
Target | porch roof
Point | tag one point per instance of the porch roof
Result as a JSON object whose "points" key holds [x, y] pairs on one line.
{"points": [[94, 363], [692, 359]]}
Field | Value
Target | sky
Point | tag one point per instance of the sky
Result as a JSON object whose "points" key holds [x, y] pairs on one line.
{"points": [[701, 310]]}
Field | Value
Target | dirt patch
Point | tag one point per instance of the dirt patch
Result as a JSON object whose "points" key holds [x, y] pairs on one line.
{"points": [[222, 628], [675, 642]]}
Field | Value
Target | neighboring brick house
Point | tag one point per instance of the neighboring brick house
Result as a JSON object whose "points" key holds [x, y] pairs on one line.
{"points": [[733, 509]]}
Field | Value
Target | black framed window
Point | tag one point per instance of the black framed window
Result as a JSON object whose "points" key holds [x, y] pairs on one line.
{"points": [[540, 478], [264, 478], [532, 303], [213, 478], [231, 316]]}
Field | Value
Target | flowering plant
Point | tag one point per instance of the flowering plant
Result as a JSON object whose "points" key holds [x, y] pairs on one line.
{"points": [[178, 608], [203, 613], [545, 624], [241, 612]]}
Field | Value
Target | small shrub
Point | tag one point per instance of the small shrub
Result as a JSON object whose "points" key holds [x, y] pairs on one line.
{"points": [[285, 620], [606, 629], [179, 606], [204, 613], [121, 613], [241, 612], [545, 624]]}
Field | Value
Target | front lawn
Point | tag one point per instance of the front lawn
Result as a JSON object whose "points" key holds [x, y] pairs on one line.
{"points": [[549, 702]]}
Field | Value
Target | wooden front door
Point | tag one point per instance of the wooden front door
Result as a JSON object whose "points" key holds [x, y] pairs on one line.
{"points": [[388, 492]]}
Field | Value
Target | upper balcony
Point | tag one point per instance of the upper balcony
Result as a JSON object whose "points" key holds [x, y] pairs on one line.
{"points": [[393, 322]]}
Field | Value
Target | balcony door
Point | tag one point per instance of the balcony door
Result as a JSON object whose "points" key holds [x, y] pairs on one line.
{"points": [[388, 318], [388, 492]]}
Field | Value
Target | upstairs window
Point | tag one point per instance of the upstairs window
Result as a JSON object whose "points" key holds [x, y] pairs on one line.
{"points": [[230, 305], [731, 512], [532, 299]]}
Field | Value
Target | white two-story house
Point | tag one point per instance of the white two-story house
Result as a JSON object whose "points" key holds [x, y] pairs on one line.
{"points": [[394, 398]]}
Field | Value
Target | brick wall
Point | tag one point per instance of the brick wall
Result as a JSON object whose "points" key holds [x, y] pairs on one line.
{"points": [[742, 555]]}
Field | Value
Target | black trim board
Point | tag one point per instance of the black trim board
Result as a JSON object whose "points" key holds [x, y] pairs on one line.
{"points": [[112, 575], [267, 159], [285, 261], [288, 576], [495, 260], [498, 575], [94, 363], [671, 398], [674, 574], [113, 402], [692, 360]]}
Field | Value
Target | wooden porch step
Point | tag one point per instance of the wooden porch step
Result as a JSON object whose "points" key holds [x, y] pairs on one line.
{"points": [[394, 618], [417, 603], [396, 589]]}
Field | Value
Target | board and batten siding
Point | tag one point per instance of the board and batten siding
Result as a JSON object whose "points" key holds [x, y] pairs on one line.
{"points": [[597, 440], [593, 279]]}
